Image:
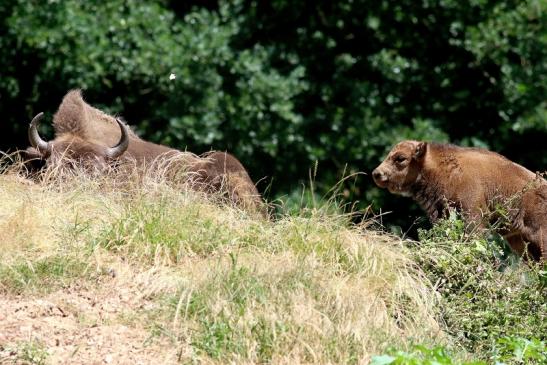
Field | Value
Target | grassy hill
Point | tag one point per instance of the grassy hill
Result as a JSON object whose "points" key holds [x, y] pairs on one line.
{"points": [[104, 269]]}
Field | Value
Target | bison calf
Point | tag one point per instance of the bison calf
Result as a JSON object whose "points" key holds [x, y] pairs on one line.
{"points": [[474, 181]]}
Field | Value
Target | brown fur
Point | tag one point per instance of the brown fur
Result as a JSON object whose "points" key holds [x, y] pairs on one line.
{"points": [[220, 171], [473, 181], [76, 117], [73, 150], [215, 171]]}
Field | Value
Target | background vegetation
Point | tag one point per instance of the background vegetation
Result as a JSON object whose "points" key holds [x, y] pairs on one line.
{"points": [[283, 84]]}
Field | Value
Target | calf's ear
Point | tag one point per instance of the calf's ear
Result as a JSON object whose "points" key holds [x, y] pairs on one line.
{"points": [[419, 150]]}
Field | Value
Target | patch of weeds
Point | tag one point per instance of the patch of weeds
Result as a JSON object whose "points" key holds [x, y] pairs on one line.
{"points": [[485, 294], [266, 334], [306, 236], [42, 275], [238, 286], [159, 331], [240, 327], [226, 335], [344, 349], [219, 337], [507, 351], [32, 352], [329, 238], [242, 286], [421, 355], [152, 229], [196, 305], [74, 230], [518, 350]]}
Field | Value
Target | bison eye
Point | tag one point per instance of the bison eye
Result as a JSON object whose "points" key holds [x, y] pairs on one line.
{"points": [[400, 159]]}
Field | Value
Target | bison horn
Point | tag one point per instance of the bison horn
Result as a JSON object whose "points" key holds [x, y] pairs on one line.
{"points": [[43, 147], [122, 145]]}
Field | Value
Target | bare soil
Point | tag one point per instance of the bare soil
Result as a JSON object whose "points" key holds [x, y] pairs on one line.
{"points": [[83, 324]]}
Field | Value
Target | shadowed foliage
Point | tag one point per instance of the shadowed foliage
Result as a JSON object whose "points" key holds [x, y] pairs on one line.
{"points": [[282, 84]]}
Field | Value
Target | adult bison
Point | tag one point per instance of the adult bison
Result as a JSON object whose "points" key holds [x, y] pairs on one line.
{"points": [[84, 133], [475, 181]]}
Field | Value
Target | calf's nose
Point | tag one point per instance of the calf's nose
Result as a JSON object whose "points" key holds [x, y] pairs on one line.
{"points": [[377, 175]]}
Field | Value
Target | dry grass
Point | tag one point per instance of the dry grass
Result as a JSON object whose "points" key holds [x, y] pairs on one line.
{"points": [[224, 285]]}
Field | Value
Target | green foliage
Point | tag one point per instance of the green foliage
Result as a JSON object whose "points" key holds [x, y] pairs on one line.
{"points": [[508, 350], [516, 350], [32, 353], [283, 84], [421, 355], [510, 34], [485, 295]]}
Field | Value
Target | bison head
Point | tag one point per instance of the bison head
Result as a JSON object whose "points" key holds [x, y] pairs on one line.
{"points": [[74, 148], [401, 168]]}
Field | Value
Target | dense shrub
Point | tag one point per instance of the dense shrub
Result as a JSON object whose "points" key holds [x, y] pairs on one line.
{"points": [[508, 350], [486, 294], [283, 84]]}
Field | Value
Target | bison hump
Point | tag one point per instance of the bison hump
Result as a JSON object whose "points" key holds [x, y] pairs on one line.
{"points": [[71, 115], [78, 118]]}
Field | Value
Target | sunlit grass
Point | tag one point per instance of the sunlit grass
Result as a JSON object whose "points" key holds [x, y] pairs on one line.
{"points": [[229, 286]]}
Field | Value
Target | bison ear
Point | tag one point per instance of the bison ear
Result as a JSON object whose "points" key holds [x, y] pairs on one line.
{"points": [[419, 151]]}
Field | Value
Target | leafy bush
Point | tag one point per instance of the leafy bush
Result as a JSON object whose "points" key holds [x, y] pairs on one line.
{"points": [[485, 293], [283, 84], [508, 350], [520, 351], [420, 355]]}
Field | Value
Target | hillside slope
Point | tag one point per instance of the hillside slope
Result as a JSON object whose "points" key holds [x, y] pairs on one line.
{"points": [[98, 270]]}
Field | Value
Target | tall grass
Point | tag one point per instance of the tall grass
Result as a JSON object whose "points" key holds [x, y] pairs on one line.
{"points": [[229, 286]]}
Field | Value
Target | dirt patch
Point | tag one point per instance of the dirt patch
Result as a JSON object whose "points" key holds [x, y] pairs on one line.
{"points": [[82, 325]]}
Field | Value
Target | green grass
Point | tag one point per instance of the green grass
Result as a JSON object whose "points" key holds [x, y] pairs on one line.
{"points": [[42, 275]]}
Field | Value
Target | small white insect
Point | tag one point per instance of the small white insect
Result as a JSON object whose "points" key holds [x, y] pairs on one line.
{"points": [[172, 77]]}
